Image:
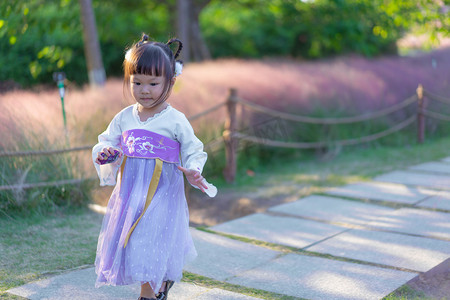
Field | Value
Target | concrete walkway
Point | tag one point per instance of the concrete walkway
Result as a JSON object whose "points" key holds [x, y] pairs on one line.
{"points": [[360, 241]]}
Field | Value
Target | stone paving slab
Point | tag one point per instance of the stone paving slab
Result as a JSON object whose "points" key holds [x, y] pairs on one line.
{"points": [[440, 201], [433, 166], [441, 182], [287, 231], [393, 249], [220, 257], [79, 285], [216, 294], [381, 191], [415, 221], [319, 278], [332, 209]]}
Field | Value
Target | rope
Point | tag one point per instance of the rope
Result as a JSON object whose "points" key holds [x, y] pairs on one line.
{"points": [[297, 145], [436, 115], [44, 152], [436, 97], [43, 184], [210, 110], [311, 120]]}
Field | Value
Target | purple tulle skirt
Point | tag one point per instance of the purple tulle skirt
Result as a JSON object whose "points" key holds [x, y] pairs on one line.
{"points": [[161, 243]]}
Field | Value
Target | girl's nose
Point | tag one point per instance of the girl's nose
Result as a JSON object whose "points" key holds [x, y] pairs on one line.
{"points": [[146, 89]]}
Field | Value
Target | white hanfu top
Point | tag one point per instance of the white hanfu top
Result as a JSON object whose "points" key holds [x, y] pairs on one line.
{"points": [[169, 122]]}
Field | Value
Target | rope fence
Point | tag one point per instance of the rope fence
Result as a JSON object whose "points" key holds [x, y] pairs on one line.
{"points": [[326, 121], [313, 145], [231, 135], [45, 152], [436, 97]]}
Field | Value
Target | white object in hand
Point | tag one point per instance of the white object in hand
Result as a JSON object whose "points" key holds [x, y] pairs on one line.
{"points": [[211, 191]]}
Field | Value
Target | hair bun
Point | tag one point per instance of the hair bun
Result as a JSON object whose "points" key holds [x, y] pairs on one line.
{"points": [[144, 38], [180, 46]]}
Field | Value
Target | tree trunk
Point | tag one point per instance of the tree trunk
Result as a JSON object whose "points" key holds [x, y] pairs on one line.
{"points": [[96, 71], [199, 48], [183, 12]]}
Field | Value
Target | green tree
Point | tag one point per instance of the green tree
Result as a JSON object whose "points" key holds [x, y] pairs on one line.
{"points": [[40, 37], [37, 38], [317, 28]]}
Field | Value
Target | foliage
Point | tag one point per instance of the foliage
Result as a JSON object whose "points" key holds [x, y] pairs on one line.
{"points": [[42, 36], [313, 29]]}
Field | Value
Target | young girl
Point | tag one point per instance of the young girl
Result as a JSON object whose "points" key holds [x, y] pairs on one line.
{"points": [[145, 234]]}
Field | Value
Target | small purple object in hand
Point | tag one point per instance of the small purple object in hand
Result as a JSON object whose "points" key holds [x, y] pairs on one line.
{"points": [[108, 159]]}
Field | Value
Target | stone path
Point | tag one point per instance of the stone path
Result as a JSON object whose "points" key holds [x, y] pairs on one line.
{"points": [[359, 241]]}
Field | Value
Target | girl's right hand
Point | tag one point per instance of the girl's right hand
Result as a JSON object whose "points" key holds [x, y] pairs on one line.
{"points": [[108, 152]]}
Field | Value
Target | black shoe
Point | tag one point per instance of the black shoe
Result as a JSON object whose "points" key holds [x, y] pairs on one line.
{"points": [[143, 298], [163, 294]]}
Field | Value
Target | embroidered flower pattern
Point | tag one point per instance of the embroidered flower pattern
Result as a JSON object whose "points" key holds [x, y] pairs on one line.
{"points": [[130, 143], [137, 144], [147, 146]]}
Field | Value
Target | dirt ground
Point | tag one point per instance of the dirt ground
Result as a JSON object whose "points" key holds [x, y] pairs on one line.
{"points": [[434, 284]]}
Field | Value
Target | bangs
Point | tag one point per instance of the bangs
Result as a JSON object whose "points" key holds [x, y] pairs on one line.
{"points": [[148, 60]]}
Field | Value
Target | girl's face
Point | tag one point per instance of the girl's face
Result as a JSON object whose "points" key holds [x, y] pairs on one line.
{"points": [[146, 89]]}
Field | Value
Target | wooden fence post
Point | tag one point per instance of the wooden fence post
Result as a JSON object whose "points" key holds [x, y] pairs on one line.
{"points": [[420, 116], [230, 140]]}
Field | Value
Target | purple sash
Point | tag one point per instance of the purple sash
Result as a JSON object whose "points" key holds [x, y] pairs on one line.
{"points": [[148, 144]]}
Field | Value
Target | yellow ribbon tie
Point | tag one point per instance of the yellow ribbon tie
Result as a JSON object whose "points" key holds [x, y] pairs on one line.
{"points": [[151, 192]]}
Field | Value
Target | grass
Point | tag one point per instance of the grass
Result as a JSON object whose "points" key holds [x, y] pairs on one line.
{"points": [[306, 172], [18, 170], [37, 246], [405, 292]]}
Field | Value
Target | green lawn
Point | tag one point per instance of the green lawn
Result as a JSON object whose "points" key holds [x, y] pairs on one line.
{"points": [[39, 246]]}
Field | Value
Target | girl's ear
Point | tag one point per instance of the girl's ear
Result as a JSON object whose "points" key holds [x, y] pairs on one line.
{"points": [[172, 82]]}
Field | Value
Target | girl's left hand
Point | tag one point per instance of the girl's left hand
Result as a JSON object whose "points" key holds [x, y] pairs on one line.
{"points": [[194, 177]]}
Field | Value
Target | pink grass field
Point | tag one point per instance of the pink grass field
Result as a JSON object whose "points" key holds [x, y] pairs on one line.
{"points": [[353, 84]]}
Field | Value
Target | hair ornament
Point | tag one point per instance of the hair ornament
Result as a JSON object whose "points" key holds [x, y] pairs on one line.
{"points": [[178, 68], [128, 55]]}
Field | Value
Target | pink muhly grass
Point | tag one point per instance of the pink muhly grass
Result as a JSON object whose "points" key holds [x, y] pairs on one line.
{"points": [[351, 84]]}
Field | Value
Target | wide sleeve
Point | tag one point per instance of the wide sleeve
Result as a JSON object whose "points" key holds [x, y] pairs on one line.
{"points": [[107, 173], [192, 154]]}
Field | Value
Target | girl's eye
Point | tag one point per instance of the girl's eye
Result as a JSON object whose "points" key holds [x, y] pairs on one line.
{"points": [[137, 83], [153, 84]]}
